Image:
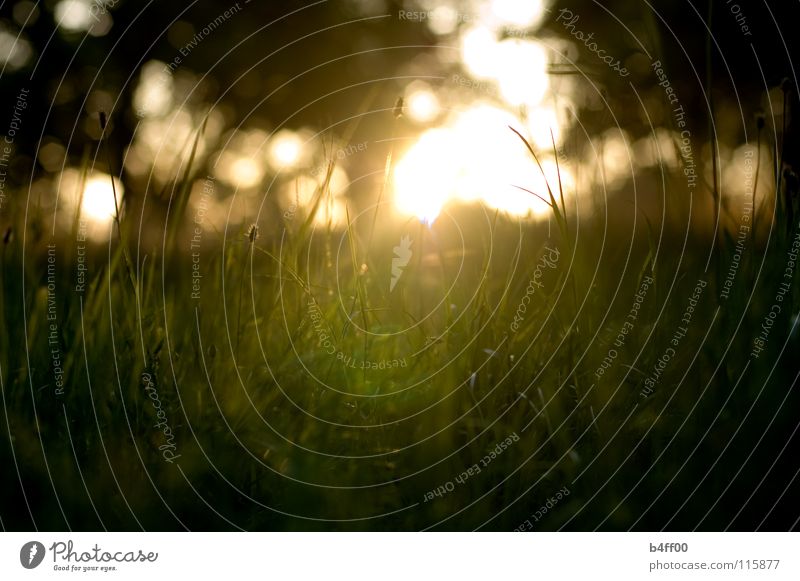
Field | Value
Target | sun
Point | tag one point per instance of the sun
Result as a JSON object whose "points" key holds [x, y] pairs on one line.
{"points": [[475, 157]]}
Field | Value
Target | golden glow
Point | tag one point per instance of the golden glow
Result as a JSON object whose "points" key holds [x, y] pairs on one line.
{"points": [[74, 15], [422, 105], [615, 157], [299, 194], [246, 172], [443, 20], [520, 69], [521, 13], [340, 181], [479, 52], [96, 200], [154, 92], [738, 174], [475, 157], [331, 212], [164, 144], [338, 185], [285, 149], [541, 122], [240, 171], [524, 204], [426, 176], [241, 163], [91, 16], [656, 150], [15, 50]]}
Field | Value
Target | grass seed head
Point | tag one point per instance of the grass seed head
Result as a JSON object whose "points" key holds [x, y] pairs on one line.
{"points": [[252, 233], [398, 108]]}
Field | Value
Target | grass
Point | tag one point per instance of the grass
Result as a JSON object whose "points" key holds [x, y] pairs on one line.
{"points": [[275, 432]]}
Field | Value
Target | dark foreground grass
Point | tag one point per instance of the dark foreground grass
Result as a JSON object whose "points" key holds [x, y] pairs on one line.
{"points": [[516, 376]]}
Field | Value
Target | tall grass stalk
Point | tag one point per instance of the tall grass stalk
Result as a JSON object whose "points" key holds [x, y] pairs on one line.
{"points": [[117, 218]]}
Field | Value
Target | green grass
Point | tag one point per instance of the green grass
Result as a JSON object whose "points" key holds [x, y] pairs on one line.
{"points": [[268, 443]]}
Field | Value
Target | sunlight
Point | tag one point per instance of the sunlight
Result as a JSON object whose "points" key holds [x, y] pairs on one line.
{"points": [[299, 194], [98, 198], [240, 171], [475, 157], [520, 68], [615, 157], [163, 144], [443, 20], [74, 15], [338, 185], [246, 172], [541, 121], [422, 104], [518, 13], [365, 265], [332, 212], [15, 50], [523, 204], [656, 149], [285, 150], [738, 175], [153, 96], [479, 52], [426, 176], [340, 181]]}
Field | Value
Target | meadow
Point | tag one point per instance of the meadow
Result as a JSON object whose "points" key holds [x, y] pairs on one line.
{"points": [[479, 265], [290, 375]]}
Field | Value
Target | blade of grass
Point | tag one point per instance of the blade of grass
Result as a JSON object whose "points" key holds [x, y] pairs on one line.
{"points": [[553, 203]]}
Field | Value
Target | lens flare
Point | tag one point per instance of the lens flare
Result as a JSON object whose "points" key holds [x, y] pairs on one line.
{"points": [[422, 103], [285, 150], [476, 157], [74, 15], [425, 177], [479, 52], [521, 72], [98, 198], [518, 13]]}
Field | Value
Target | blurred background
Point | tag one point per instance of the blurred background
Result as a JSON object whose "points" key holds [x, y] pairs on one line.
{"points": [[281, 89]]}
